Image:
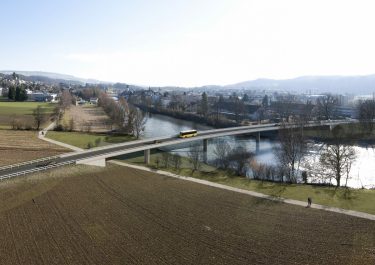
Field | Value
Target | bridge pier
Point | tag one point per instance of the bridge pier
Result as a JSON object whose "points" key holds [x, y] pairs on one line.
{"points": [[257, 142], [205, 146], [147, 156]]}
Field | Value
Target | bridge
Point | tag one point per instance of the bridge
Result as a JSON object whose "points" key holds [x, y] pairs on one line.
{"points": [[98, 156]]}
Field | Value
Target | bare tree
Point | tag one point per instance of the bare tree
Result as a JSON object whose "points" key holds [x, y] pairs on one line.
{"points": [[326, 106], [88, 126], [337, 157], [222, 151], [66, 100], [240, 159], [195, 155], [263, 171], [138, 122], [71, 124], [177, 161], [284, 106], [366, 114], [291, 150], [166, 157], [38, 116]]}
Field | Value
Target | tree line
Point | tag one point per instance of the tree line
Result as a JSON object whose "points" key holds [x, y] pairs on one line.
{"points": [[17, 92], [125, 117]]}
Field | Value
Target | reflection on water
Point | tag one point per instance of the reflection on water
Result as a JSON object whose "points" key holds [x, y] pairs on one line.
{"points": [[362, 173], [160, 125]]}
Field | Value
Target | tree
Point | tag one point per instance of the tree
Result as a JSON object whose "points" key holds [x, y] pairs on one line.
{"points": [[284, 106], [326, 107], [265, 101], [66, 100], [138, 122], [14, 76], [366, 114], [38, 116], [12, 93], [245, 98], [21, 94], [71, 124], [337, 157], [166, 157], [260, 114], [195, 155], [204, 105], [239, 158], [291, 150], [222, 151], [177, 161]]}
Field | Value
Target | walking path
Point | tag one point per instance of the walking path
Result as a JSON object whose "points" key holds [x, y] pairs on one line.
{"points": [[252, 193], [42, 135]]}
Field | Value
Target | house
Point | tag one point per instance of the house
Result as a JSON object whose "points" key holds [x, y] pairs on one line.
{"points": [[94, 101]]}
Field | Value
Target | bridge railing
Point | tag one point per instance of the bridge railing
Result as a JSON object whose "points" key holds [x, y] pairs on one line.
{"points": [[43, 159]]}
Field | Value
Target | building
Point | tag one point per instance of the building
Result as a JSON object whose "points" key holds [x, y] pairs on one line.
{"points": [[40, 96], [94, 101]]}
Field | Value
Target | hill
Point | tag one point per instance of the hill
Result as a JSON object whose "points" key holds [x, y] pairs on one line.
{"points": [[333, 84], [49, 77]]}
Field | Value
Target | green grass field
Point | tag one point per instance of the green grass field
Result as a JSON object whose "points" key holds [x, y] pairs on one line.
{"points": [[352, 199], [82, 140], [24, 108]]}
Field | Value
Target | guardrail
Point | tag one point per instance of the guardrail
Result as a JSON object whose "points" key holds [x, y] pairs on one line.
{"points": [[29, 162], [36, 169]]}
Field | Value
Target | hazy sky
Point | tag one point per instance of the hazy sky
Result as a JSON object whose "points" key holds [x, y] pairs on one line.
{"points": [[191, 42]]}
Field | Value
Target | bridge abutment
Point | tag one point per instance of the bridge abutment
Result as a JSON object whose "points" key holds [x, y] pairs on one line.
{"points": [[93, 162]]}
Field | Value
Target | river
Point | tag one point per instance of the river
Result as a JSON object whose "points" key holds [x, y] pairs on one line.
{"points": [[362, 172]]}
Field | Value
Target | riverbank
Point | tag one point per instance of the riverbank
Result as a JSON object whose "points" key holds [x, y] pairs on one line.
{"points": [[187, 116], [345, 198], [349, 133]]}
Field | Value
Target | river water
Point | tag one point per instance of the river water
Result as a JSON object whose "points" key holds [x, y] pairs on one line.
{"points": [[362, 171]]}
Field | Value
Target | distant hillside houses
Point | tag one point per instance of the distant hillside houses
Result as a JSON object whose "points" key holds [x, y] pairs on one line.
{"points": [[41, 96]]}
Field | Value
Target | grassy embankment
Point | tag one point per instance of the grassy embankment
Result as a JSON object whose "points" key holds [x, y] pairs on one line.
{"points": [[351, 199], [22, 111], [83, 140]]}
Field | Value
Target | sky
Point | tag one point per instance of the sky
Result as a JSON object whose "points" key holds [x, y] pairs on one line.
{"points": [[188, 42]]}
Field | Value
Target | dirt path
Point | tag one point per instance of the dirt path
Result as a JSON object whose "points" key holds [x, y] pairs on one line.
{"points": [[122, 215]]}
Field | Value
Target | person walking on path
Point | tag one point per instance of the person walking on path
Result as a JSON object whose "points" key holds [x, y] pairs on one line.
{"points": [[309, 201]]}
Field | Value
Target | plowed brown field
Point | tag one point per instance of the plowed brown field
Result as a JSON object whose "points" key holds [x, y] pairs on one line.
{"points": [[19, 146], [120, 215]]}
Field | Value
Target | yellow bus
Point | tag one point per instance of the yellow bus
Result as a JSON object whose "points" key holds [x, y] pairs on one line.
{"points": [[188, 133]]}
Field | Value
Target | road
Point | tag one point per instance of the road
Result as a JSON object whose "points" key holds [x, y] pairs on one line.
{"points": [[136, 146]]}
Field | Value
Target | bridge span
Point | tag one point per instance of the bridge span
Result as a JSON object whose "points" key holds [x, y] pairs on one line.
{"points": [[98, 156]]}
